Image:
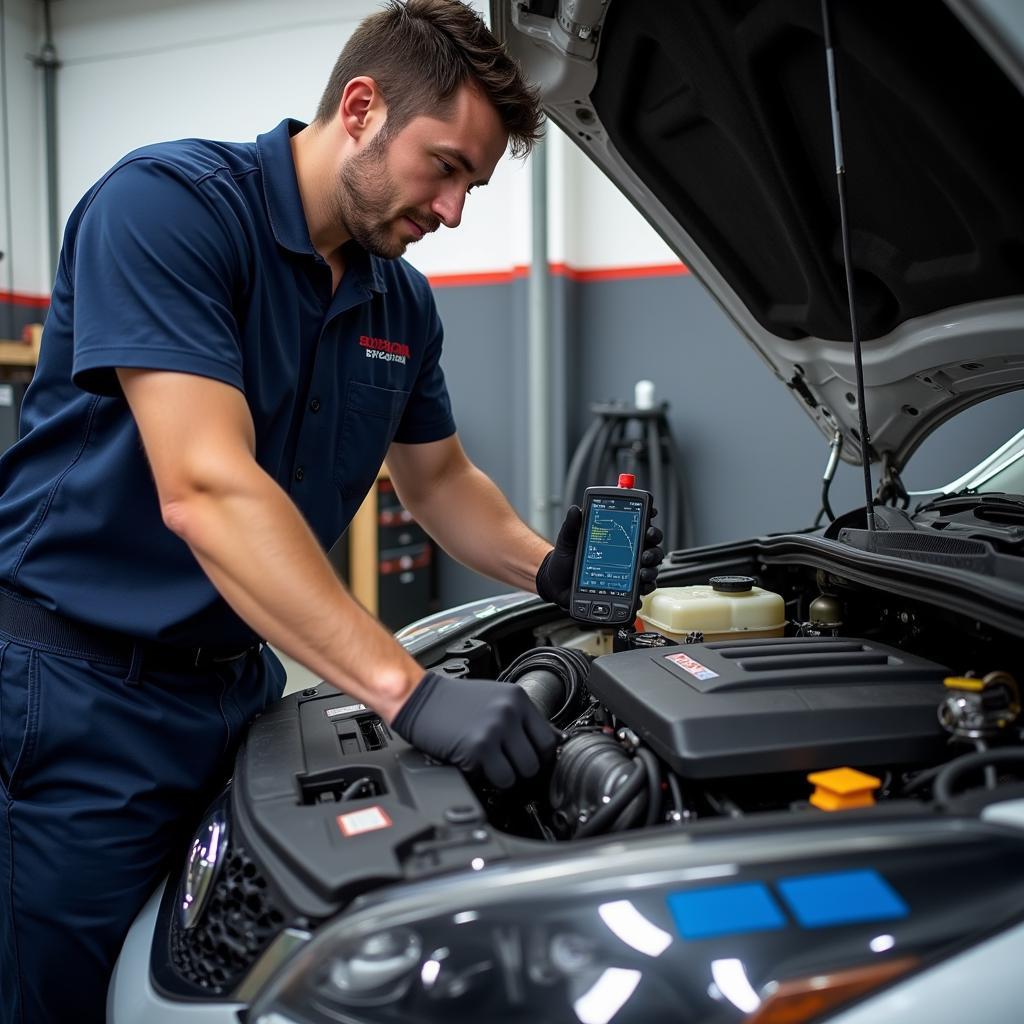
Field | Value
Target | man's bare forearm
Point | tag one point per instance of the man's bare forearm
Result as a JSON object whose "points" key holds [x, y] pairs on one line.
{"points": [[251, 540], [262, 558], [485, 534]]}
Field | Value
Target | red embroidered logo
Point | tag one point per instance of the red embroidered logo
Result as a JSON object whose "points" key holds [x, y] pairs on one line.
{"points": [[381, 348]]}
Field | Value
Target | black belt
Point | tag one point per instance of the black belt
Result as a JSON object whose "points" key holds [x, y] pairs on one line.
{"points": [[22, 619]]}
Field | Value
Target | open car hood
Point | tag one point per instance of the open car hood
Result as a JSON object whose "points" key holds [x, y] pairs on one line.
{"points": [[713, 118]]}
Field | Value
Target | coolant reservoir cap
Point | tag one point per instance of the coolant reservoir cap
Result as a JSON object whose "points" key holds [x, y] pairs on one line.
{"points": [[732, 584]]}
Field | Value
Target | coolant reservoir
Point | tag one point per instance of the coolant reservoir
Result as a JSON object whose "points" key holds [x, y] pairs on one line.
{"points": [[727, 608]]}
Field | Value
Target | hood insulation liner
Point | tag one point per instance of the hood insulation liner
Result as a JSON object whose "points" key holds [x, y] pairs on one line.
{"points": [[722, 107]]}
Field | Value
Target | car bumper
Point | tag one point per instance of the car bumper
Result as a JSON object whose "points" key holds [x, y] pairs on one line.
{"points": [[132, 999]]}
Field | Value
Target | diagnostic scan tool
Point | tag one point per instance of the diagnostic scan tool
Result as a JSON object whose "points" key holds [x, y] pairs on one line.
{"points": [[606, 578]]}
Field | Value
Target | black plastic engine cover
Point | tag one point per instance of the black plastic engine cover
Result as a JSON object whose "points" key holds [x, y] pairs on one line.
{"points": [[295, 778], [326, 803], [779, 705]]}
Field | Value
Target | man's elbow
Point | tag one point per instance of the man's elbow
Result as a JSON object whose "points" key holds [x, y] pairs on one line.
{"points": [[185, 489], [177, 516], [196, 493]]}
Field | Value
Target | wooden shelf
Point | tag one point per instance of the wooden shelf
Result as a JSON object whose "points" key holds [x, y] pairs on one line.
{"points": [[14, 353], [22, 353], [363, 557]]}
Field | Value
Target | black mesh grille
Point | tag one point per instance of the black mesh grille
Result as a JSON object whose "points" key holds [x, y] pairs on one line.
{"points": [[903, 540], [238, 923]]}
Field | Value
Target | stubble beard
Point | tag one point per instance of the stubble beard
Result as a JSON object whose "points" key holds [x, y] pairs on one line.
{"points": [[363, 202]]}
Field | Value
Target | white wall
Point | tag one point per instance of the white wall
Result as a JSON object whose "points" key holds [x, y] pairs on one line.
{"points": [[25, 266], [141, 71], [591, 224]]}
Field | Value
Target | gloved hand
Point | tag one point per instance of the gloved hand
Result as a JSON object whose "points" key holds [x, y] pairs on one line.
{"points": [[477, 725], [554, 577]]}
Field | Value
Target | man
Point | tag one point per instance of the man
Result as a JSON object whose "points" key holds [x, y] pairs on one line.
{"points": [[209, 410]]}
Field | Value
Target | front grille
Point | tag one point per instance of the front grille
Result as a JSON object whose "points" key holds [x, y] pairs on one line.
{"points": [[238, 923]]}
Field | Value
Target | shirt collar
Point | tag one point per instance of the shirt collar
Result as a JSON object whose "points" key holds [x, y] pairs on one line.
{"points": [[284, 204]]}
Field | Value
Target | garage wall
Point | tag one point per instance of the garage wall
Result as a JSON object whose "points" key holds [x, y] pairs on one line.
{"points": [[753, 460], [138, 71]]}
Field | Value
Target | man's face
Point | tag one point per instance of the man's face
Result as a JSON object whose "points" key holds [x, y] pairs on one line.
{"points": [[395, 191]]}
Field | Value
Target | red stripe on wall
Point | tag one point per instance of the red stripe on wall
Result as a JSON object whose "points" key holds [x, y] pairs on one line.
{"points": [[618, 273], [22, 299], [561, 270], [484, 277]]}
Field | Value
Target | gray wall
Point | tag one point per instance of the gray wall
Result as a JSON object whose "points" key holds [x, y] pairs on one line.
{"points": [[753, 459], [15, 316], [485, 366]]}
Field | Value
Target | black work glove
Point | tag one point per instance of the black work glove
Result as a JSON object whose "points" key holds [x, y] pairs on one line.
{"points": [[554, 577], [479, 726]]}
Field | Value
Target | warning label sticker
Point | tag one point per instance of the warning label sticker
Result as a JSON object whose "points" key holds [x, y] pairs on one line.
{"points": [[695, 668], [369, 819], [346, 710]]}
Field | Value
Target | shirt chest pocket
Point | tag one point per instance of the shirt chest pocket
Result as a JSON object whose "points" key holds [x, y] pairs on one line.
{"points": [[371, 417]]}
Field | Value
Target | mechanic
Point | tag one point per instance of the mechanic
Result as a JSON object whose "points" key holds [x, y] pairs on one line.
{"points": [[232, 348]]}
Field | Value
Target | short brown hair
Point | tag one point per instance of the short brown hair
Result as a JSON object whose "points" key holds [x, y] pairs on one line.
{"points": [[419, 53]]}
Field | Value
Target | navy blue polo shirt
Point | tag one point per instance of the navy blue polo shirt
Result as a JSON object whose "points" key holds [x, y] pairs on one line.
{"points": [[194, 256]]}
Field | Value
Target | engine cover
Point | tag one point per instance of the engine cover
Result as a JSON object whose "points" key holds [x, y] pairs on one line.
{"points": [[776, 705]]}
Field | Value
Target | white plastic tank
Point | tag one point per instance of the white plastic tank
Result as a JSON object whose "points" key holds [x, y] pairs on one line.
{"points": [[726, 608]]}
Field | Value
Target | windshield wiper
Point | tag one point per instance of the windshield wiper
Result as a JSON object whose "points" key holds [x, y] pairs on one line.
{"points": [[1010, 505]]}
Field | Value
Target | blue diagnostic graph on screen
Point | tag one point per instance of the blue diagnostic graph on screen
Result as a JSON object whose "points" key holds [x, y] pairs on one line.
{"points": [[612, 534]]}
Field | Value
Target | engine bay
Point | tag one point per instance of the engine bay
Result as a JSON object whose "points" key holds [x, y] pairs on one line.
{"points": [[892, 692], [861, 679]]}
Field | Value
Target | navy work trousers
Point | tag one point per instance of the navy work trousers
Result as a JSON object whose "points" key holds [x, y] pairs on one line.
{"points": [[101, 784]]}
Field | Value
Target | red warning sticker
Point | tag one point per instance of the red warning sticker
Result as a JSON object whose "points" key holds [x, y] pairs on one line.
{"points": [[369, 819], [695, 668]]}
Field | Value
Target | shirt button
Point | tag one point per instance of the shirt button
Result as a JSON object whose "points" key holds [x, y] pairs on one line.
{"points": [[299, 473], [315, 405]]}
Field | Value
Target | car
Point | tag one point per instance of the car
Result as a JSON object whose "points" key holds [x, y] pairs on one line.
{"points": [[812, 812]]}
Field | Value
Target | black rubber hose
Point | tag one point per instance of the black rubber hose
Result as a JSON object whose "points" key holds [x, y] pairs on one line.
{"points": [[672, 526], [546, 690], [675, 477], [653, 784], [657, 486], [596, 458], [607, 474], [354, 791], [573, 479], [622, 798], [677, 796], [969, 762], [571, 667], [922, 779], [632, 815]]}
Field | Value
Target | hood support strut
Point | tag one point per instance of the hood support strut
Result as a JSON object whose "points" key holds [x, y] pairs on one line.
{"points": [[837, 143]]}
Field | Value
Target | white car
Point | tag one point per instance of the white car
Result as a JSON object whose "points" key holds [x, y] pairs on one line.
{"points": [[820, 824]]}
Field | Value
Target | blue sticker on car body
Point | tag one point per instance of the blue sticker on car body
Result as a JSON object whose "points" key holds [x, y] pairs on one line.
{"points": [[725, 910], [841, 897]]}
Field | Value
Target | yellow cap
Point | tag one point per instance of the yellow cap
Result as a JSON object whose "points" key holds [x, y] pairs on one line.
{"points": [[839, 789], [964, 683]]}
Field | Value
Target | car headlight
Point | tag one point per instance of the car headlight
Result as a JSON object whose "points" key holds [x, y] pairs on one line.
{"points": [[652, 931], [205, 857]]}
